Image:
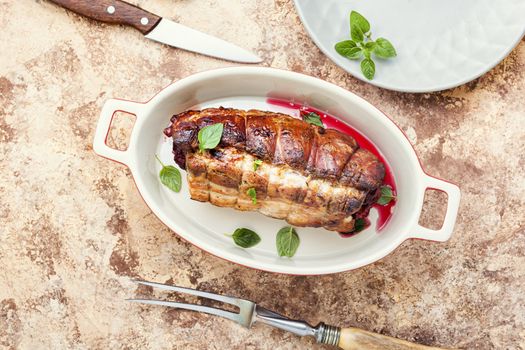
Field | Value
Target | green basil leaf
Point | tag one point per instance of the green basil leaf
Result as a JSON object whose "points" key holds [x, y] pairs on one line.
{"points": [[356, 33], [368, 68], [171, 178], [356, 19], [210, 136], [370, 45], [348, 49], [345, 44], [313, 118], [245, 238], [253, 194], [359, 225], [386, 195], [256, 164], [287, 241], [384, 49]]}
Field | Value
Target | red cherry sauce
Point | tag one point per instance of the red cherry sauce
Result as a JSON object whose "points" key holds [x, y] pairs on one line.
{"points": [[384, 211]]}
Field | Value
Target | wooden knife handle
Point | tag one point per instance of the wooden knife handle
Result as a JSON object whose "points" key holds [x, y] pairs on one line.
{"points": [[357, 339], [113, 11]]}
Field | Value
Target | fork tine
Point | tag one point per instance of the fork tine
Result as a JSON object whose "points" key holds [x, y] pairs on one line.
{"points": [[213, 296], [245, 317], [209, 310]]}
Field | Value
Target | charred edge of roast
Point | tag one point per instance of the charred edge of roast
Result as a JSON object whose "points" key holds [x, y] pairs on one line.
{"points": [[281, 139]]}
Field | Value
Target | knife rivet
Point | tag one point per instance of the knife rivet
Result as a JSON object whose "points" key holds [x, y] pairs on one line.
{"points": [[144, 21], [111, 10]]}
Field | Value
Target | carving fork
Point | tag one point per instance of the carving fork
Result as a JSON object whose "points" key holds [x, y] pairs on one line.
{"points": [[250, 313]]}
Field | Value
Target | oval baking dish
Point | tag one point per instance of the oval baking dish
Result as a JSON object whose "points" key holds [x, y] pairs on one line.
{"points": [[204, 225]]}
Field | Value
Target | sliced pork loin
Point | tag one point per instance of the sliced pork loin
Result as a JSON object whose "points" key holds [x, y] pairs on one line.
{"points": [[310, 176]]}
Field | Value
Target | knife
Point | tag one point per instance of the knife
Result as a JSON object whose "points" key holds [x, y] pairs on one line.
{"points": [[159, 29]]}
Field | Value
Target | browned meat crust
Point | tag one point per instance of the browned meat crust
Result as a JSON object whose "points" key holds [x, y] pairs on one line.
{"points": [[310, 176]]}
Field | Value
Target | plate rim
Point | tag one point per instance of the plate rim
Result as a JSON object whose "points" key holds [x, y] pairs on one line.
{"points": [[435, 88]]}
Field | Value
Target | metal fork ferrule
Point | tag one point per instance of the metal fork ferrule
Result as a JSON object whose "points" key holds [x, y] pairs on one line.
{"points": [[327, 334]]}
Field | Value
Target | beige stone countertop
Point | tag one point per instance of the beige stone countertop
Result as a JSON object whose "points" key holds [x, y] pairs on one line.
{"points": [[74, 230]]}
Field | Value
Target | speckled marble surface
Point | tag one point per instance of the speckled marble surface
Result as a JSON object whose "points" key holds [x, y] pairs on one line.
{"points": [[74, 230]]}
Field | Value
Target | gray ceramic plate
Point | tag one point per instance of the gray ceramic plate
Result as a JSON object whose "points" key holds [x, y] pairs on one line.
{"points": [[440, 44]]}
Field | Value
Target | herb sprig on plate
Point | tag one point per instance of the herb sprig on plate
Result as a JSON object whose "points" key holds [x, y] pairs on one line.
{"points": [[359, 225], [170, 176], [245, 238], [312, 118], [287, 241], [362, 46], [386, 195]]}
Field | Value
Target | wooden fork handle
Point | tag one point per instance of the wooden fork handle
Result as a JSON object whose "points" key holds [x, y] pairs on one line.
{"points": [[357, 339], [113, 11]]}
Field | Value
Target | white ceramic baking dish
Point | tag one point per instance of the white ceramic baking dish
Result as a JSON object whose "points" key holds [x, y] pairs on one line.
{"points": [[204, 225]]}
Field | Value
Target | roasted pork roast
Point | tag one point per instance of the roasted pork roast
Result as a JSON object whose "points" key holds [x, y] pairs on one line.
{"points": [[309, 176]]}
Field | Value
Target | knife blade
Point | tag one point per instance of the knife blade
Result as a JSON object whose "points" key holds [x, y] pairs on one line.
{"points": [[158, 29]]}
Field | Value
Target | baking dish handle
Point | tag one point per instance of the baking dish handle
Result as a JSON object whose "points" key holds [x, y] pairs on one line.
{"points": [[101, 134], [453, 197]]}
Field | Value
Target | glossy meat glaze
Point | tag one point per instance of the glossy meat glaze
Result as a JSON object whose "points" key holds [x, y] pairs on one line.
{"points": [[310, 176]]}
